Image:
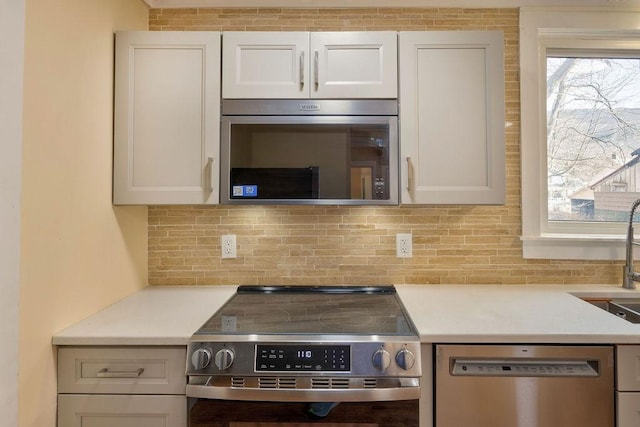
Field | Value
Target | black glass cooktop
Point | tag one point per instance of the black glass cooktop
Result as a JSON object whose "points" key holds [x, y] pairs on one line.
{"points": [[349, 310]]}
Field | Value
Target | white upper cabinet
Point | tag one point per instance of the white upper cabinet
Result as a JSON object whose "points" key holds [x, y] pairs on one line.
{"points": [[265, 65], [309, 65], [354, 65], [167, 118], [452, 117]]}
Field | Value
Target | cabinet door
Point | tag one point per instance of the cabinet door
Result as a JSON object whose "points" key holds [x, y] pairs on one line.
{"points": [[628, 367], [354, 64], [167, 118], [452, 117], [102, 410], [265, 65], [628, 409]]}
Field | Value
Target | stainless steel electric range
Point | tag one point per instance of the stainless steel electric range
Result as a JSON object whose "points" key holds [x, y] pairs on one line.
{"points": [[307, 344]]}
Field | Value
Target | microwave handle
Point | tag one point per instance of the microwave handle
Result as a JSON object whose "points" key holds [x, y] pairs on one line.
{"points": [[315, 70], [302, 69]]}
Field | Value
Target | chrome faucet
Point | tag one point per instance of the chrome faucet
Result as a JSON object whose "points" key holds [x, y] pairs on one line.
{"points": [[629, 277]]}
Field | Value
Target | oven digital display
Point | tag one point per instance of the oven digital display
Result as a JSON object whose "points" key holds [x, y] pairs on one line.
{"points": [[299, 358]]}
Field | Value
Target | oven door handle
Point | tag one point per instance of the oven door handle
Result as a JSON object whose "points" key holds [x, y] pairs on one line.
{"points": [[305, 395]]}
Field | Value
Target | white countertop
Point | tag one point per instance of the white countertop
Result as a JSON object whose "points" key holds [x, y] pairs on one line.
{"points": [[441, 313], [156, 315], [510, 314]]}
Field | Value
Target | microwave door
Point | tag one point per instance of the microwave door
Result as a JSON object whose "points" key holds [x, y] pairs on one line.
{"points": [[309, 160]]}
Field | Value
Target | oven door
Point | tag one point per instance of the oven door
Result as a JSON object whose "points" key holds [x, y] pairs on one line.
{"points": [[298, 159], [381, 402], [234, 413]]}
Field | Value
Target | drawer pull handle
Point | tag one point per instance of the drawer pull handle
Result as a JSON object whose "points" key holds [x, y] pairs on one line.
{"points": [[104, 373]]}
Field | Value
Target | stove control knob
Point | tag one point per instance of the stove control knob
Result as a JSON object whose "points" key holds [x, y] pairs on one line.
{"points": [[201, 358], [405, 359], [224, 358], [381, 359]]}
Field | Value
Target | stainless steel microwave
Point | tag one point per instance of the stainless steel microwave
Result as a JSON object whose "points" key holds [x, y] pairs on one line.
{"points": [[309, 152]]}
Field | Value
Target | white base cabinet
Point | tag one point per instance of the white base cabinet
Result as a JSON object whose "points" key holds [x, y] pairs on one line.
{"points": [[86, 410], [122, 387], [628, 385], [628, 409], [167, 118], [452, 117]]}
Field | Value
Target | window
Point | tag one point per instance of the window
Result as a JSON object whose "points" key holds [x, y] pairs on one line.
{"points": [[580, 124], [593, 134]]}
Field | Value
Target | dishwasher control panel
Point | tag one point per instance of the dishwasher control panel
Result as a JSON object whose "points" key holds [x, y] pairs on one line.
{"points": [[524, 368]]}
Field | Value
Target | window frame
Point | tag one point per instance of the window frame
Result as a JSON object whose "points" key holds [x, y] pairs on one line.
{"points": [[578, 30]]}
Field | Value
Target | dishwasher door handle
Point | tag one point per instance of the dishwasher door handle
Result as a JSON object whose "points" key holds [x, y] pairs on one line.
{"points": [[524, 367]]}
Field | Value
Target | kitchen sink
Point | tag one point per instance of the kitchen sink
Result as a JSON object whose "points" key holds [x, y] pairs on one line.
{"points": [[628, 309]]}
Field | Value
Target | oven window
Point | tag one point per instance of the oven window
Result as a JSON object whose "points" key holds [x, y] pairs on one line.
{"points": [[309, 161]]}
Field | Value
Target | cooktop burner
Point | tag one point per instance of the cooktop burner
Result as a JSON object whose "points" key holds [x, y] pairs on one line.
{"points": [[349, 310]]}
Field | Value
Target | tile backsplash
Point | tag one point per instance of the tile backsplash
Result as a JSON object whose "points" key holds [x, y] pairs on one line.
{"points": [[356, 245]]}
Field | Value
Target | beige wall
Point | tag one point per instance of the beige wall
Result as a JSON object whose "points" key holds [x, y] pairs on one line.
{"points": [[79, 253], [329, 245]]}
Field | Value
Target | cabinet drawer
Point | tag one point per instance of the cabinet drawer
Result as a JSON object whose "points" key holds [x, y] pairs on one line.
{"points": [[115, 370], [628, 409], [628, 367], [82, 410]]}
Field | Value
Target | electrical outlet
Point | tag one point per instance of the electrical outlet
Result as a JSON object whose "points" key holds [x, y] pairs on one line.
{"points": [[228, 323], [403, 245], [228, 246]]}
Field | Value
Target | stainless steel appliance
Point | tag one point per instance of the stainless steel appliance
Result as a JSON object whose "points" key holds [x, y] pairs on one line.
{"points": [[346, 354], [524, 386], [309, 151]]}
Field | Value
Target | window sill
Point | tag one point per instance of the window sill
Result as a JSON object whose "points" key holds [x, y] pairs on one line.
{"points": [[564, 246]]}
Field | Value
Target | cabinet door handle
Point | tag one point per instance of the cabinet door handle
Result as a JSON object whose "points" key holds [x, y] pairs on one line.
{"points": [[409, 175], [302, 69], [211, 176], [105, 373], [316, 70]]}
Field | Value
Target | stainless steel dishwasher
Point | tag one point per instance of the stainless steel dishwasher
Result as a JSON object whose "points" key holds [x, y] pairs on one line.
{"points": [[524, 386]]}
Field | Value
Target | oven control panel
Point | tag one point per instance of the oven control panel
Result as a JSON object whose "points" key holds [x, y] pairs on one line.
{"points": [[383, 359], [302, 358]]}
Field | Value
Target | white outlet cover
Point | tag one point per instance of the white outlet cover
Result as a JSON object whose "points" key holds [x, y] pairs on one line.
{"points": [[229, 324], [404, 245], [228, 246]]}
